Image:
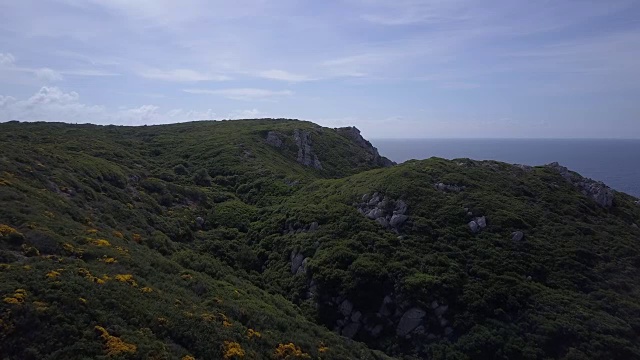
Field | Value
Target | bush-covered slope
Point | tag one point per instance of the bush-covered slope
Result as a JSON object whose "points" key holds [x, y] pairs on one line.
{"points": [[172, 241]]}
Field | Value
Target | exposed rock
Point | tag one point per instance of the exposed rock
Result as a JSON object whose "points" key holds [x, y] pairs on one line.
{"points": [[448, 187], [434, 304], [314, 226], [356, 316], [400, 208], [296, 261], [596, 190], [638, 203], [382, 221], [375, 213], [302, 269], [473, 226], [517, 236], [635, 226], [377, 208], [199, 221], [440, 310], [350, 330], [346, 307], [397, 220], [376, 331], [385, 308], [274, 139], [306, 156], [419, 330], [477, 224], [354, 134], [410, 320], [526, 168]]}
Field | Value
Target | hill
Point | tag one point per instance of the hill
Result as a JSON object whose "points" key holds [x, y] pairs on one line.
{"points": [[282, 239]]}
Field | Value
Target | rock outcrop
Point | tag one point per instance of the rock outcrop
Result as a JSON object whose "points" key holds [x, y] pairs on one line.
{"points": [[411, 319], [517, 236], [596, 190], [306, 156], [275, 139], [353, 134], [477, 224], [387, 212], [448, 187]]}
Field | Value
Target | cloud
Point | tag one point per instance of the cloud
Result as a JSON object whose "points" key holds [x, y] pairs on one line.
{"points": [[54, 104], [47, 74], [181, 75], [245, 114], [283, 76], [243, 93], [6, 59]]}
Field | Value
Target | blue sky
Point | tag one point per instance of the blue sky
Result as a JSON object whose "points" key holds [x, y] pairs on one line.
{"points": [[393, 68]]}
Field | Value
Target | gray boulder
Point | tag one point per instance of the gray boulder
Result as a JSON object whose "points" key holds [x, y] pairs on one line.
{"points": [[517, 236], [473, 226], [411, 319], [314, 226], [400, 208], [356, 316], [199, 221], [346, 307], [482, 222], [397, 220], [375, 213]]}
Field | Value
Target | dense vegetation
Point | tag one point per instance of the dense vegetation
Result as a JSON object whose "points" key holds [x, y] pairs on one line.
{"points": [[203, 241]]}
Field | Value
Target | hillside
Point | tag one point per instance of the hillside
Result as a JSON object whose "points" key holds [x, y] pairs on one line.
{"points": [[283, 239]]}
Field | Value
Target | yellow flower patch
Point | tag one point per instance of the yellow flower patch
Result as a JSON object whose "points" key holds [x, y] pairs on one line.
{"points": [[115, 346], [290, 351], [233, 350]]}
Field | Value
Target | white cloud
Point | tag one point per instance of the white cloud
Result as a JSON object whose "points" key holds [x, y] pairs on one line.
{"points": [[243, 93], [54, 104], [283, 76], [181, 75], [245, 114], [47, 74], [6, 59], [88, 72]]}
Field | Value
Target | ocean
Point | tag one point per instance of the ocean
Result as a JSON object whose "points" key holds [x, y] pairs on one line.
{"points": [[614, 162]]}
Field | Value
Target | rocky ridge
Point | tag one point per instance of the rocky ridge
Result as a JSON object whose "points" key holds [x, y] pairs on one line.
{"points": [[596, 190], [351, 132]]}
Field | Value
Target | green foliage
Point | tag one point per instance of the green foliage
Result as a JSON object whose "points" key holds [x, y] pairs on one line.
{"points": [[179, 240]]}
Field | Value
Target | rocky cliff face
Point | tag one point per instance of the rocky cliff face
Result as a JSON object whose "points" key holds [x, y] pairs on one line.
{"points": [[597, 190], [306, 156], [353, 133]]}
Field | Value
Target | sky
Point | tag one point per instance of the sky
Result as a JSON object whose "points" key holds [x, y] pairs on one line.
{"points": [[392, 68]]}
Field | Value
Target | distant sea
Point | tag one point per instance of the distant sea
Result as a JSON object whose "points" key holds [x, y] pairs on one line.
{"points": [[615, 162]]}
